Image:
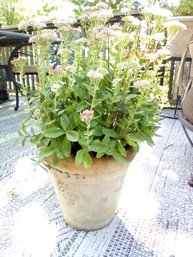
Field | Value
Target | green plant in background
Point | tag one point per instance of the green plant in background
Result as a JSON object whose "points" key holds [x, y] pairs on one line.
{"points": [[184, 8], [9, 12], [103, 96], [115, 5]]}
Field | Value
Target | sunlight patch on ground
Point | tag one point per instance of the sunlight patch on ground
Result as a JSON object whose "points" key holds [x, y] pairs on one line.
{"points": [[170, 174], [182, 246], [136, 197], [28, 176], [33, 235]]}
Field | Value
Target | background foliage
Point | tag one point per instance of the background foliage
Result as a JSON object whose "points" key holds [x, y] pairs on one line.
{"points": [[14, 11], [184, 8], [9, 13]]}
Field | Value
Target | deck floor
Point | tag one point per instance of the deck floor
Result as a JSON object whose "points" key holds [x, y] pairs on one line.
{"points": [[155, 212]]}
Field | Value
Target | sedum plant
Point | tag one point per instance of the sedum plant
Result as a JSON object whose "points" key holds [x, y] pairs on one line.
{"points": [[101, 95]]}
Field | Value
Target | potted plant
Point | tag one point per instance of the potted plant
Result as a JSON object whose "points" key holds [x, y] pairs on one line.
{"points": [[94, 106]]}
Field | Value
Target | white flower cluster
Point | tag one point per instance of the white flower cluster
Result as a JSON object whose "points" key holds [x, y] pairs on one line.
{"points": [[141, 83], [58, 70], [113, 33], [116, 82], [133, 64], [32, 23], [55, 87], [100, 12], [65, 22], [174, 26], [64, 52], [80, 41], [102, 70], [47, 35], [101, 33], [36, 113], [122, 37], [102, 5], [134, 22], [163, 52], [157, 11], [71, 68], [156, 36], [159, 53], [95, 74], [116, 26]]}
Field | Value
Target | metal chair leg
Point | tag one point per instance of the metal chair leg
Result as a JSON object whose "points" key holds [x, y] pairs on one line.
{"points": [[16, 98], [14, 54], [190, 181]]}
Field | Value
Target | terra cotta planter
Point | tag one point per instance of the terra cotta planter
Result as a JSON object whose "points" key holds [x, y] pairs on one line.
{"points": [[89, 197], [179, 43]]}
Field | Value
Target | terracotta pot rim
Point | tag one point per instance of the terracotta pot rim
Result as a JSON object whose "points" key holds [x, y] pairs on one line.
{"points": [[98, 164], [182, 18]]}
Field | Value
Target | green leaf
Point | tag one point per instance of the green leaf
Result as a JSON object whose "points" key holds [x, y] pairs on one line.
{"points": [[99, 155], [60, 154], [121, 149], [72, 123], [82, 93], [136, 137], [117, 99], [45, 142], [79, 157], [118, 158], [24, 124], [36, 139], [106, 140], [64, 122], [46, 152], [66, 147], [131, 96], [96, 103], [78, 121], [110, 132], [130, 141], [81, 106], [82, 140], [148, 138], [98, 131], [83, 156], [32, 131], [72, 136], [20, 133], [87, 161], [23, 141], [50, 122], [54, 159], [53, 132], [98, 146]]}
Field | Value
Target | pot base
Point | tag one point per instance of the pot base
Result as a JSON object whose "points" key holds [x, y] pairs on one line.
{"points": [[88, 198]]}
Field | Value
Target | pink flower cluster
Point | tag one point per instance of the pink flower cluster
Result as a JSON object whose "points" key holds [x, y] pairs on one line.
{"points": [[87, 115]]}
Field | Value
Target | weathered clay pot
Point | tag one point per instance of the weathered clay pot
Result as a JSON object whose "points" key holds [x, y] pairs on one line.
{"points": [[89, 197], [180, 41]]}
